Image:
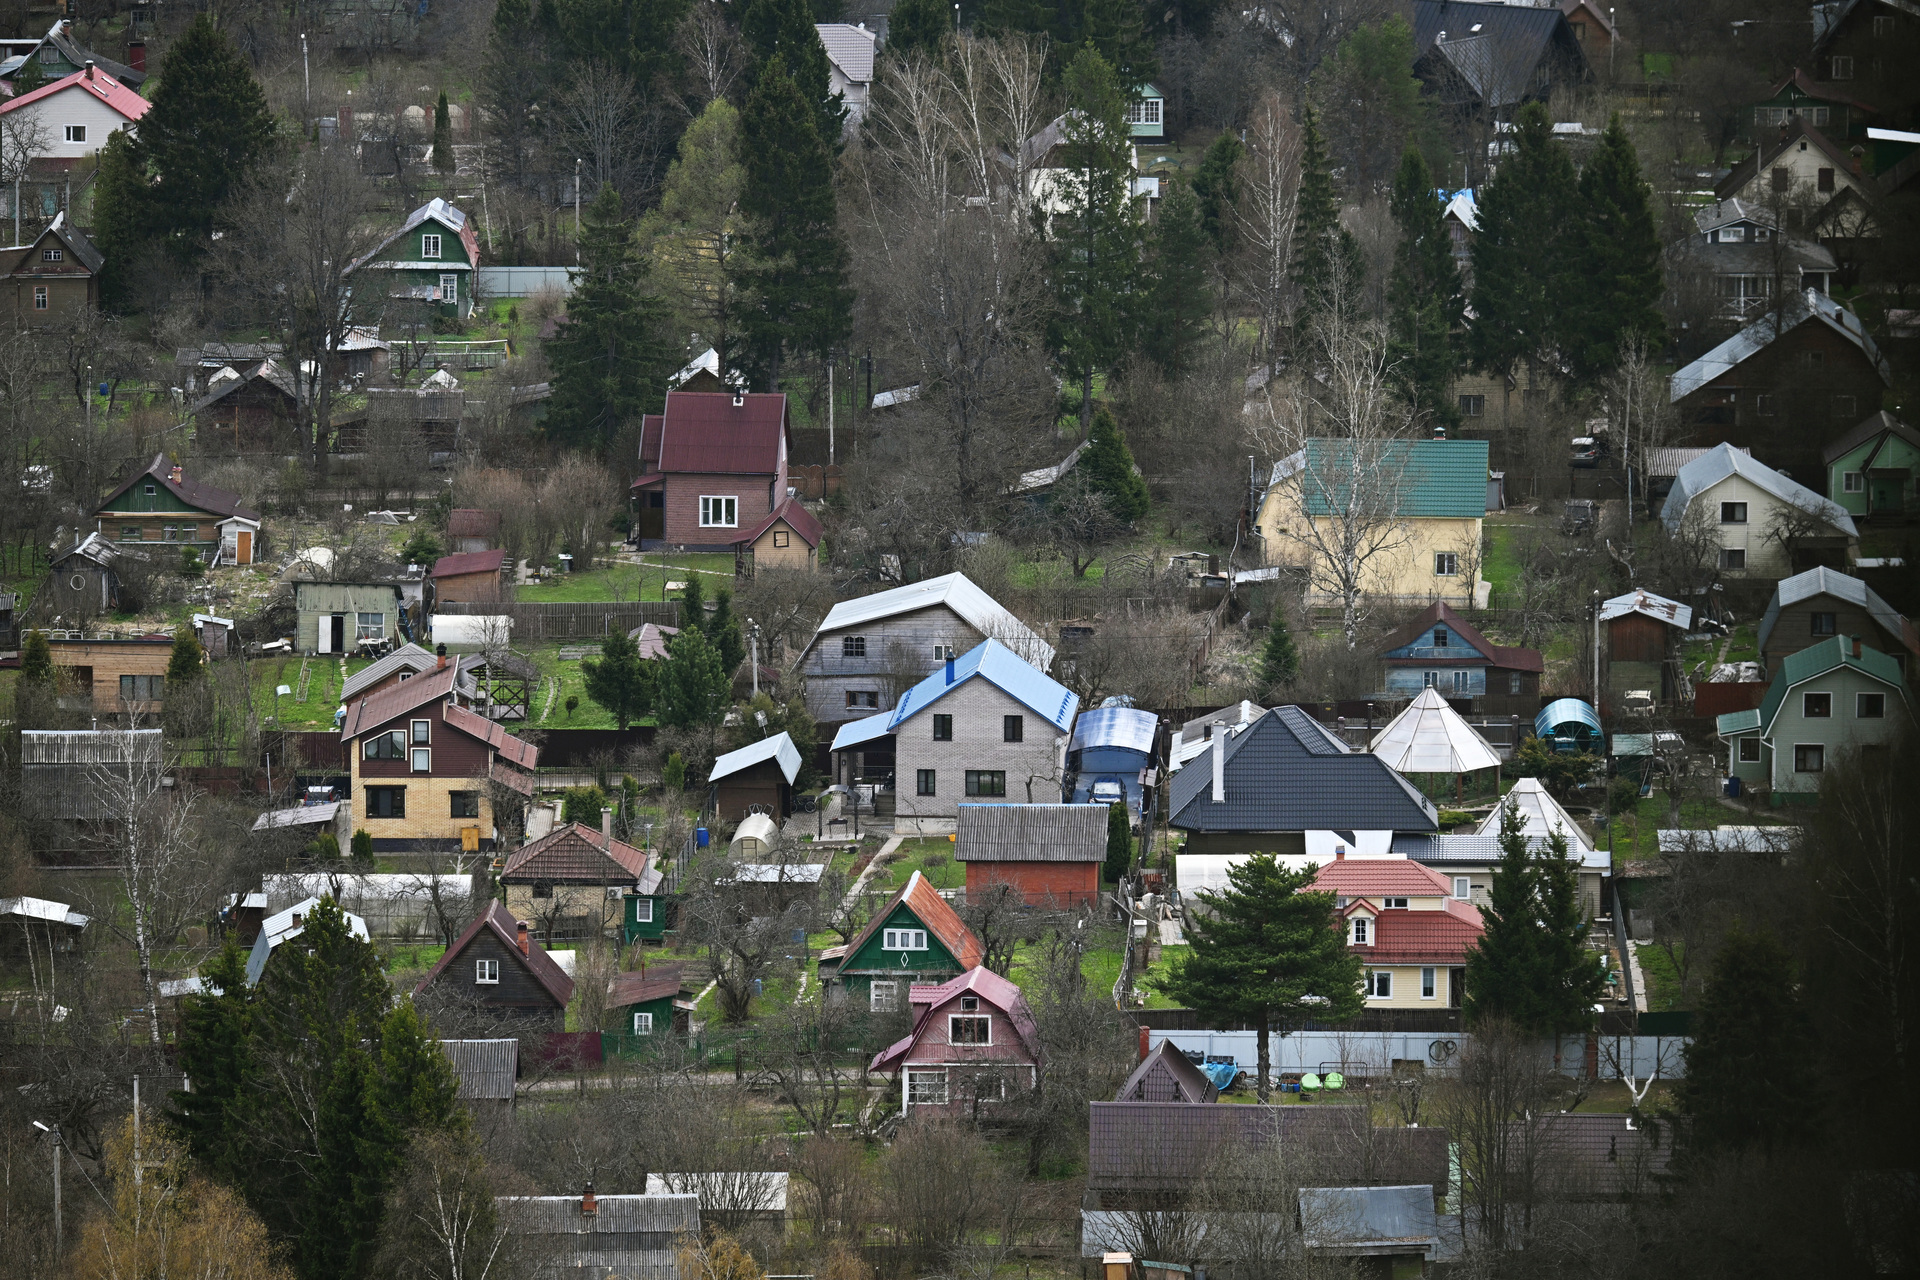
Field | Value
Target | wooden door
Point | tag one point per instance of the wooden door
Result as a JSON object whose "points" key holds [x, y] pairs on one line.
{"points": [[243, 548]]}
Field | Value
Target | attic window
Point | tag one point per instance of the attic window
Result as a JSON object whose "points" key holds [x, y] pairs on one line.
{"points": [[429, 246], [969, 1004], [904, 940], [1474, 30], [151, 490], [53, 255], [1440, 640]]}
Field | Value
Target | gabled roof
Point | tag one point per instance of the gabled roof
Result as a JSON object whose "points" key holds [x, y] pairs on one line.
{"points": [[1818, 91], [1430, 737], [778, 748], [659, 983], [1453, 852], [95, 84], [1030, 833], [1602, 1153], [1820, 659], [1722, 461], [94, 546], [1436, 478], [1758, 161], [268, 371], [408, 657], [1665, 461], [437, 210], [1807, 305], [1171, 1146], [396, 700], [850, 48], [977, 981], [544, 969], [1462, 206], [284, 926], [1369, 1220], [1126, 727], [1001, 667], [76, 53], [486, 1069], [43, 909], [1380, 878], [920, 897], [1640, 600], [1419, 937], [73, 238], [953, 591], [1440, 614], [707, 433], [797, 518], [1878, 423], [192, 492], [575, 853], [1166, 1074], [1494, 47], [1285, 772], [1540, 815], [469, 562], [651, 639], [1831, 582]]}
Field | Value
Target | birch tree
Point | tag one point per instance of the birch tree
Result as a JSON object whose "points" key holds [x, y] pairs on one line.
{"points": [[1264, 216]]}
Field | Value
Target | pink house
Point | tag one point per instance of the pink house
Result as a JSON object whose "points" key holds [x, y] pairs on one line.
{"points": [[712, 465], [974, 1046]]}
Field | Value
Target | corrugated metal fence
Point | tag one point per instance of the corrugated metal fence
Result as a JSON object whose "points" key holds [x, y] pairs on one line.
{"points": [[522, 282], [569, 620]]}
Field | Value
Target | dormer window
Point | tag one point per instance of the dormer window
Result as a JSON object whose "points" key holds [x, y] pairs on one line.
{"points": [[429, 246], [1361, 936]]}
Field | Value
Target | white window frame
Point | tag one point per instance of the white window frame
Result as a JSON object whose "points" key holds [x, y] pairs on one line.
{"points": [[1358, 934], [926, 1088], [419, 759], [643, 910], [1860, 703], [1394, 904], [1429, 983], [903, 940], [1463, 887], [40, 297], [364, 630], [420, 732], [429, 245], [77, 133], [486, 973], [1733, 513], [643, 1024], [953, 1018], [1461, 684], [1840, 67], [1446, 564], [719, 511], [883, 996], [53, 255], [449, 286], [1379, 984], [1852, 482]]}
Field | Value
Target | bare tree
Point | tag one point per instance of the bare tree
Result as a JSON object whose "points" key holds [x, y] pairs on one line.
{"points": [[1263, 221], [1495, 1108], [602, 120], [715, 61], [800, 1056]]}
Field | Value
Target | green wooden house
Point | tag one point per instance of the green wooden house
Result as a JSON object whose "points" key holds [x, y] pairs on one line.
{"points": [[646, 1011], [431, 259], [915, 938], [161, 505], [1824, 106], [646, 917], [1829, 699], [58, 55], [1874, 470]]}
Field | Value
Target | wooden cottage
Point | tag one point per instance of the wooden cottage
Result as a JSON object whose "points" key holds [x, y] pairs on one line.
{"points": [[973, 1049], [83, 581], [53, 278], [468, 576], [788, 537], [1813, 607], [161, 505], [915, 936], [496, 967], [471, 529], [756, 779], [1643, 633], [1050, 854], [248, 408], [118, 676], [647, 1008]]}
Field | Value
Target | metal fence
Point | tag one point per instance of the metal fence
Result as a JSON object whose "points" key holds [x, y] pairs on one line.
{"points": [[569, 620], [522, 282]]}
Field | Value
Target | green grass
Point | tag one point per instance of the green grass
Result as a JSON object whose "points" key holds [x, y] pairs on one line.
{"points": [[912, 856], [625, 583], [1664, 991], [1502, 564], [415, 959], [1634, 834], [315, 711]]}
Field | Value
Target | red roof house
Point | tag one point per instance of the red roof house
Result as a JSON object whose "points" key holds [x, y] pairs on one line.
{"points": [[496, 967], [711, 465], [785, 538], [973, 1046], [470, 575], [1404, 923]]}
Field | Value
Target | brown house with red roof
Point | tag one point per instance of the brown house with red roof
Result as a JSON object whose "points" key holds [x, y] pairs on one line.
{"points": [[788, 537], [425, 769], [915, 936], [1406, 926], [497, 968], [470, 576], [712, 465], [575, 880], [1438, 649], [974, 1048]]}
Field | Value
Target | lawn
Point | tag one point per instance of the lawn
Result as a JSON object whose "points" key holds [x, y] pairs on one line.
{"points": [[313, 712], [1634, 835], [1663, 979], [914, 855], [1502, 564], [623, 582]]}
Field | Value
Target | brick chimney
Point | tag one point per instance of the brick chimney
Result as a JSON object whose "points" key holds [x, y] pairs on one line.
{"points": [[440, 652], [1856, 646], [137, 55], [588, 1205], [606, 823], [526, 943], [1143, 1044], [297, 918]]}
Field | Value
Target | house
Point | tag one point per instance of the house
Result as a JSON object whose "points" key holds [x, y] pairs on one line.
{"points": [[1423, 502], [1866, 47], [1835, 696], [1166, 1074], [1431, 737], [1787, 384], [59, 55], [346, 617], [1196, 735], [915, 936], [1643, 634], [161, 505], [974, 1046], [788, 537], [1385, 1230], [866, 652], [285, 926], [404, 663], [415, 742], [851, 52], [1050, 854], [487, 1071], [251, 407], [573, 881], [1802, 167], [710, 465], [74, 114], [630, 1237], [980, 723], [1405, 924], [1440, 650], [1596, 1157], [650, 1006], [1660, 467], [1147, 114], [1593, 27], [1541, 818], [702, 373], [757, 778], [1831, 108], [82, 581], [1767, 525], [1479, 62], [1739, 254], [59, 780], [53, 278], [1874, 469], [470, 529], [122, 676], [1285, 784], [39, 926], [497, 969], [471, 576], [430, 259], [1111, 756], [1810, 607]]}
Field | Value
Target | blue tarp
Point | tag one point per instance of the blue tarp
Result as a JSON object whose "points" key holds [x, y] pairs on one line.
{"points": [[1220, 1073]]}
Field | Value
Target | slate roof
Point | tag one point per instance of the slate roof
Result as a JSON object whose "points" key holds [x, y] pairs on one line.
{"points": [[1817, 660], [537, 961], [1166, 1074], [704, 432], [1722, 461], [486, 1069], [96, 84], [1823, 581], [1285, 772], [1603, 1153], [1807, 305], [1876, 423], [1126, 727], [75, 240], [1640, 600], [953, 591], [1440, 937], [1168, 1146], [990, 661], [1438, 478], [1030, 833], [978, 981], [629, 989], [1369, 1219], [469, 562], [575, 853], [920, 897], [778, 748], [473, 522], [573, 1244], [1380, 878], [797, 517], [192, 492], [1665, 461]]}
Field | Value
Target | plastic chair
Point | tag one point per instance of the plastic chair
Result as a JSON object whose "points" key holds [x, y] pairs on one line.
{"points": [[1334, 1081], [1309, 1083]]}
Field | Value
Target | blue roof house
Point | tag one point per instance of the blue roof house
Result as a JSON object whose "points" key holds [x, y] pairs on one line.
{"points": [[1111, 745]]}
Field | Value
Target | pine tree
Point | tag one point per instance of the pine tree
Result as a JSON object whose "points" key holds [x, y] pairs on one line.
{"points": [[633, 37], [1327, 264], [1619, 298], [1216, 185], [28, 78], [620, 680], [611, 358], [1525, 251], [1279, 660], [693, 687], [1269, 950], [1096, 233], [1119, 843], [442, 135], [918, 26], [795, 265], [216, 1054], [1425, 308], [187, 661], [723, 630], [1574, 976], [784, 29], [1746, 1079], [207, 128], [1504, 965], [1108, 469], [693, 604], [1374, 109], [1177, 301], [121, 213]]}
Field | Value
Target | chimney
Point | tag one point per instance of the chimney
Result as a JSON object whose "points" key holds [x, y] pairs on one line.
{"points": [[1143, 1043], [949, 667], [177, 475], [526, 943], [137, 55], [1219, 768], [1339, 853], [297, 918], [89, 68], [606, 823], [440, 652], [588, 1205], [1856, 646]]}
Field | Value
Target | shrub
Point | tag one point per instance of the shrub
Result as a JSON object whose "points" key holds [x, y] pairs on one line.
{"points": [[362, 846], [582, 804]]}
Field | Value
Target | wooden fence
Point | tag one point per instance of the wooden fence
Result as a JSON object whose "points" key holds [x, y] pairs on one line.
{"points": [[571, 620]]}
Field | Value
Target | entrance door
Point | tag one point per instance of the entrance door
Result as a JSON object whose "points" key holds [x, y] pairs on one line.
{"points": [[243, 547], [653, 514], [1885, 491], [339, 624], [1456, 986]]}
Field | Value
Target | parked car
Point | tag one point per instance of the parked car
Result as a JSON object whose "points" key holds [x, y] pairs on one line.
{"points": [[1586, 451]]}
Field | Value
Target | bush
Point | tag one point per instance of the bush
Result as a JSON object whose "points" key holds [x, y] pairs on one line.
{"points": [[362, 846], [673, 774], [325, 847], [422, 548], [1560, 771], [582, 804], [190, 564], [1623, 794]]}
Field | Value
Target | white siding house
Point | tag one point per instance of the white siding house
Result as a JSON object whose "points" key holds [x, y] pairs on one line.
{"points": [[76, 114]]}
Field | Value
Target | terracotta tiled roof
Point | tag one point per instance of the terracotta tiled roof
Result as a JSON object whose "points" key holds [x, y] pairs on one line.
{"points": [[979, 981], [639, 988], [377, 708], [576, 854], [1380, 877], [514, 750], [469, 562], [921, 898], [707, 433], [544, 968], [1422, 937]]}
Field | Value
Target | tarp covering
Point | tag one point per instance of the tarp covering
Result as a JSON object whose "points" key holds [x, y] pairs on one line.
{"points": [[1220, 1074], [1430, 737]]}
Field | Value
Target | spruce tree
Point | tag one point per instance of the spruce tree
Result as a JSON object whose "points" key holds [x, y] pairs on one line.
{"points": [[1327, 264], [1424, 305], [36, 660], [1177, 301], [620, 680], [442, 135], [1279, 660], [1619, 298], [634, 37], [693, 687], [1119, 843], [121, 212], [1116, 29], [723, 630], [1746, 1079], [1526, 261], [794, 268], [207, 128], [216, 1054], [1572, 971], [918, 26], [1095, 235], [1216, 185], [1107, 468], [1504, 965], [1374, 108], [187, 661], [611, 357], [784, 29]]}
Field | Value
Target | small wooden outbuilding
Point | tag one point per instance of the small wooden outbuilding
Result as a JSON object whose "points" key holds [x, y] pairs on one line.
{"points": [[756, 779]]}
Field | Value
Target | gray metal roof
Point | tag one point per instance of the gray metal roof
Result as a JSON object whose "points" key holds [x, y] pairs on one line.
{"points": [[1167, 1146], [1369, 1218], [1640, 600], [954, 591], [560, 1215], [1031, 833], [1807, 305], [779, 748], [1287, 772], [1127, 727], [1722, 461], [486, 1068], [304, 815], [1831, 582], [851, 48], [1664, 461], [1451, 852]]}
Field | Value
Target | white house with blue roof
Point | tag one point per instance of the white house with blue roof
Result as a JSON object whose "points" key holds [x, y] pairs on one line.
{"points": [[985, 728]]}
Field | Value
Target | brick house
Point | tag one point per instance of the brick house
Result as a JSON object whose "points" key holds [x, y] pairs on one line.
{"points": [[916, 935], [53, 278], [1049, 853], [1406, 926], [423, 767], [497, 968], [974, 1047], [161, 505], [577, 881], [471, 576], [711, 465]]}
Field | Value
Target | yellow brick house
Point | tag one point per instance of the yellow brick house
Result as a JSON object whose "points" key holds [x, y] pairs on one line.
{"points": [[1407, 927]]}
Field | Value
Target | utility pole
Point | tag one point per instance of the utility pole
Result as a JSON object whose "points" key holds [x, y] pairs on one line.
{"points": [[306, 74], [753, 648], [59, 1235], [1596, 651], [576, 211], [829, 408]]}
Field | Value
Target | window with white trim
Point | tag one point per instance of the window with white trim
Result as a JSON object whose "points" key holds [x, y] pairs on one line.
{"points": [[719, 512], [903, 940], [1733, 513], [53, 255], [926, 1088], [1428, 985], [643, 1024], [643, 910], [39, 297], [1816, 706], [1379, 984], [883, 997], [369, 626], [429, 246], [421, 760], [969, 1029], [449, 287], [486, 972], [1360, 931], [422, 732], [1462, 887], [1145, 111], [76, 133], [1852, 482], [1446, 564]]}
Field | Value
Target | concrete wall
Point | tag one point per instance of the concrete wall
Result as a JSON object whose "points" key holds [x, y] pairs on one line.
{"points": [[1375, 1052]]}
